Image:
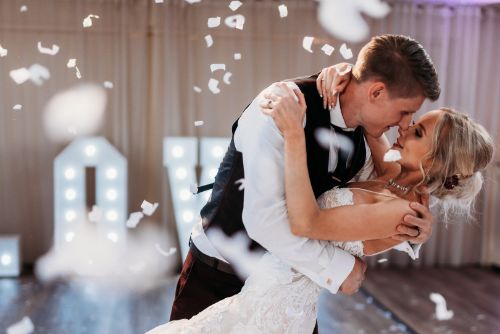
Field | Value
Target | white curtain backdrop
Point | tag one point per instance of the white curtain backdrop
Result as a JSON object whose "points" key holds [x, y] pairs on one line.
{"points": [[155, 53]]}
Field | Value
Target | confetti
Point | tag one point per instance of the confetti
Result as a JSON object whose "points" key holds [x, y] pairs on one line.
{"points": [[392, 155], [328, 49], [226, 78], [213, 22], [170, 252], [235, 21], [442, 313], [209, 40], [193, 188], [39, 73], [17, 107], [215, 67], [134, 219], [382, 260], [283, 11], [343, 71], [20, 75], [307, 43], [197, 89], [237, 56], [148, 208], [192, 1], [23, 8], [48, 51], [71, 63], [234, 5], [344, 19], [158, 1], [327, 138], [25, 326], [81, 108], [198, 123], [345, 52], [77, 72], [235, 250], [87, 22], [241, 182], [108, 84], [3, 52], [213, 85], [96, 214]]}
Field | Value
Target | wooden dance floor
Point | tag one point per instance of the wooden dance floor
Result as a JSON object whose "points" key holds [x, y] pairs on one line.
{"points": [[393, 301]]}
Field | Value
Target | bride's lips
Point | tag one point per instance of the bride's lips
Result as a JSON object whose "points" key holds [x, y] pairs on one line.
{"points": [[397, 144]]}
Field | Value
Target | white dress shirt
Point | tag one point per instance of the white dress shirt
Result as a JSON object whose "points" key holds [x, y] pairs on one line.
{"points": [[264, 209]]}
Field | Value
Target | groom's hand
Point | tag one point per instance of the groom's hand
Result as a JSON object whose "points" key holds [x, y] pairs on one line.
{"points": [[416, 229], [353, 282]]}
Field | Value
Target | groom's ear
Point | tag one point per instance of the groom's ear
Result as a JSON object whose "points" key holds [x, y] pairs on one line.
{"points": [[376, 91]]}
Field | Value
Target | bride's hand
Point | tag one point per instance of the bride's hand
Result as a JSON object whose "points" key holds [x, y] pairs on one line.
{"points": [[332, 81], [287, 110]]}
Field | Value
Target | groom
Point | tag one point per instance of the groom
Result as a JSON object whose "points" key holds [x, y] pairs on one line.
{"points": [[391, 78]]}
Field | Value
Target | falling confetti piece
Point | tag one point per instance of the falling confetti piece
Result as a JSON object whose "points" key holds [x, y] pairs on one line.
{"points": [[3, 52], [158, 1], [226, 78], [48, 51], [96, 214], [241, 182], [170, 252], [392, 155], [215, 67], [17, 107], [344, 19], [77, 72], [382, 260], [307, 43], [283, 11], [148, 208], [345, 52], [213, 85], [234, 5], [197, 89], [20, 75], [209, 40], [25, 326], [134, 219], [87, 22], [193, 188], [237, 56], [198, 123], [442, 313], [344, 70], [23, 8], [328, 49], [327, 138], [108, 84], [213, 22], [71, 63], [235, 21], [192, 1]]}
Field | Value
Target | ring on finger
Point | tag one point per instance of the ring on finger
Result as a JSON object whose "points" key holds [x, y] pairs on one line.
{"points": [[269, 104]]}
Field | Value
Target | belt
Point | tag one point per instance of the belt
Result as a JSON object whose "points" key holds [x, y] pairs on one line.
{"points": [[210, 261]]}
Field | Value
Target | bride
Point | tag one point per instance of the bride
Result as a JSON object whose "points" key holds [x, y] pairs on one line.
{"points": [[442, 154]]}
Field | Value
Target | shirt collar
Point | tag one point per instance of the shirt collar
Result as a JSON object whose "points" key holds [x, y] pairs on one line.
{"points": [[337, 119]]}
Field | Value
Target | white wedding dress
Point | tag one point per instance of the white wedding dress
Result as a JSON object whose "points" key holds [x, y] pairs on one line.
{"points": [[275, 297]]}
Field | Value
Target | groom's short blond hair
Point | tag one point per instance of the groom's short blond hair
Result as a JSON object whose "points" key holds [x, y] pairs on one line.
{"points": [[401, 63]]}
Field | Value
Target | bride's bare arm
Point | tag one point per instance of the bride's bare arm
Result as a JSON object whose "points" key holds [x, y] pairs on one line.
{"points": [[356, 222]]}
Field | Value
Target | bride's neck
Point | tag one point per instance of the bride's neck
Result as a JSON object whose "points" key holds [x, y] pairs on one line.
{"points": [[410, 179]]}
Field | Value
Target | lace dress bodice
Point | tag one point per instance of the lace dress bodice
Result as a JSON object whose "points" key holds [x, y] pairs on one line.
{"points": [[275, 297]]}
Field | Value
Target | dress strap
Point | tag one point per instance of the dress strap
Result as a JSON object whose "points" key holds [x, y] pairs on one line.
{"points": [[375, 192]]}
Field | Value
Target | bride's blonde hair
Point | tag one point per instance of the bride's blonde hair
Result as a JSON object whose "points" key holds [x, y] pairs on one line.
{"points": [[461, 149]]}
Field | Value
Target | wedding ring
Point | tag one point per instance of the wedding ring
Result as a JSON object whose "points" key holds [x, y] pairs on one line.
{"points": [[269, 104], [418, 233]]}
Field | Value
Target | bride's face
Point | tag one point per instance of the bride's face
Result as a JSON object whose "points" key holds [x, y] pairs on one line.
{"points": [[416, 142]]}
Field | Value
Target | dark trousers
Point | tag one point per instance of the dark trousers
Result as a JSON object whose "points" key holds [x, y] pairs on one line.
{"points": [[200, 286]]}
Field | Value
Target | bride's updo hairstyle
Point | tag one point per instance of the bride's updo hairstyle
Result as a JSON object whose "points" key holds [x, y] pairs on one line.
{"points": [[461, 149]]}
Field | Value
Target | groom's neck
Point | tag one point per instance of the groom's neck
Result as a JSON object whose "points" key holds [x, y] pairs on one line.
{"points": [[350, 104]]}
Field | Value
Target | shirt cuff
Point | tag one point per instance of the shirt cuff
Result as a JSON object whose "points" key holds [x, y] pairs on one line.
{"points": [[336, 273]]}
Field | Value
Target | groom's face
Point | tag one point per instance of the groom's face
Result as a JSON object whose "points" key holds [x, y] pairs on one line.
{"points": [[383, 111]]}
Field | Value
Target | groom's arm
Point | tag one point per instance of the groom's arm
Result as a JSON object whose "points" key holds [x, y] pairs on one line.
{"points": [[264, 211]]}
